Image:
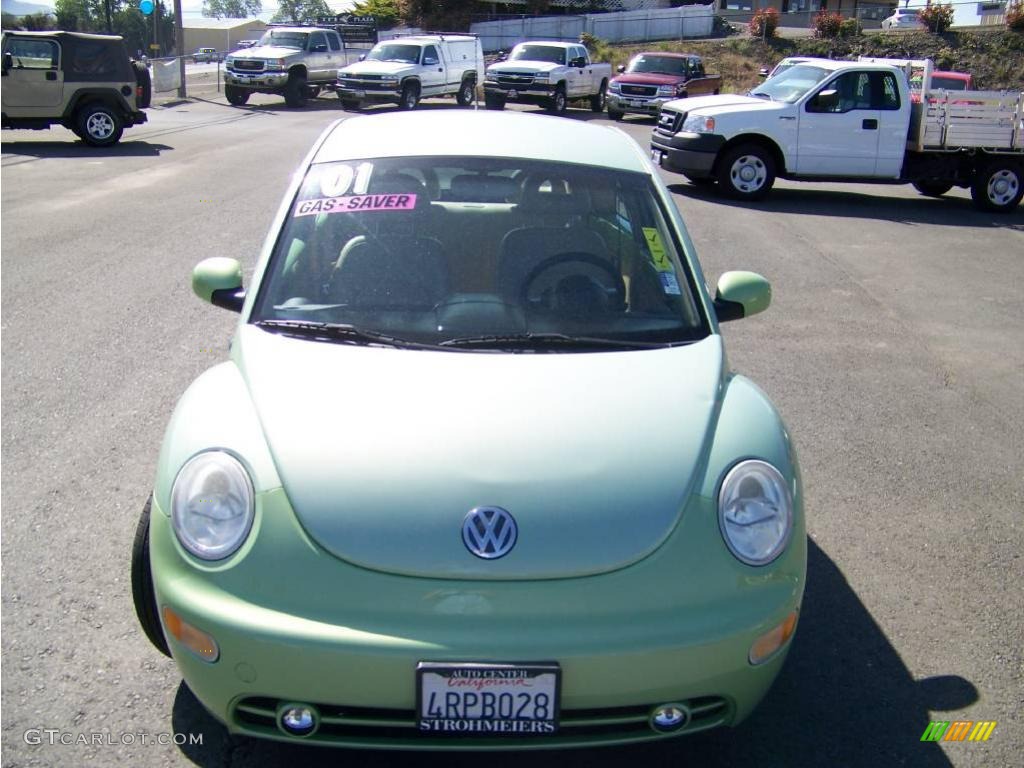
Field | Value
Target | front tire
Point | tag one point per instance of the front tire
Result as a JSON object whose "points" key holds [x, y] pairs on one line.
{"points": [[998, 186], [312, 91], [350, 105], [100, 125], [746, 172], [410, 96], [558, 103], [597, 101], [143, 594], [295, 91], [493, 102], [236, 96], [466, 94], [615, 114], [933, 187]]}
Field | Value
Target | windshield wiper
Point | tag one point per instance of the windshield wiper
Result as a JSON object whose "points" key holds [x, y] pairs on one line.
{"points": [[530, 341], [338, 332]]}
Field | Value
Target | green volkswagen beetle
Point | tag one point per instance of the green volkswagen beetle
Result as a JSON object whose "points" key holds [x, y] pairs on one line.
{"points": [[476, 473]]}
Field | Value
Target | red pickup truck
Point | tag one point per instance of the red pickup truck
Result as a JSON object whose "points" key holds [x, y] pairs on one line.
{"points": [[653, 78]]}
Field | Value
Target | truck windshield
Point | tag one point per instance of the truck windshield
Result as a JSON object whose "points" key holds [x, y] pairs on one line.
{"points": [[658, 65], [791, 85], [947, 83], [284, 39], [407, 54], [483, 253], [538, 53]]}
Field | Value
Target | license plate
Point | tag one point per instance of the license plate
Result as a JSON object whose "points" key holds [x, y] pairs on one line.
{"points": [[513, 94], [656, 156], [503, 699], [635, 103]]}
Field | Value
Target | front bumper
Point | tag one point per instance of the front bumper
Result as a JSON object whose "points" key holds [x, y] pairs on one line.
{"points": [[387, 94], [638, 105], [256, 80], [296, 624], [691, 153], [534, 93]]}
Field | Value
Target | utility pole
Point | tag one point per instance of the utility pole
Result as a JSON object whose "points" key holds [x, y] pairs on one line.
{"points": [[110, 24], [179, 43]]}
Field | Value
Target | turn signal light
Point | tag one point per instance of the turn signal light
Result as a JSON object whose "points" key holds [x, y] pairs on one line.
{"points": [[197, 641], [771, 641]]}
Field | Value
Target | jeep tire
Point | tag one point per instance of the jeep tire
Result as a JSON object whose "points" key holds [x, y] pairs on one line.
{"points": [[295, 91], [235, 95], [145, 82], [100, 124]]}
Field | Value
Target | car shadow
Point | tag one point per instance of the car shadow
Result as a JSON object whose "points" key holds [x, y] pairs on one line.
{"points": [[815, 201], [844, 697], [127, 147]]}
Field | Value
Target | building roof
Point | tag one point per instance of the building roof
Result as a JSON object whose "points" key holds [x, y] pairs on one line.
{"points": [[204, 23]]}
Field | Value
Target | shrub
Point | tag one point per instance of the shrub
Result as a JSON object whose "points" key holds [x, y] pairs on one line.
{"points": [[827, 24], [936, 17], [1015, 15], [850, 28], [764, 23]]}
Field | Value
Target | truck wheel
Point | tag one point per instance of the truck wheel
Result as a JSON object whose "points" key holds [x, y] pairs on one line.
{"points": [[142, 584], [100, 125], [558, 102], [350, 105], [494, 102], [235, 95], [312, 91], [615, 114], [295, 91], [145, 83], [933, 187], [998, 186], [746, 172], [598, 99], [466, 94], [410, 96]]}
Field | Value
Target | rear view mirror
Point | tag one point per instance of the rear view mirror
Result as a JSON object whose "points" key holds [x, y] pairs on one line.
{"points": [[219, 281], [621, 68], [825, 101], [362, 57], [741, 294], [763, 73]]}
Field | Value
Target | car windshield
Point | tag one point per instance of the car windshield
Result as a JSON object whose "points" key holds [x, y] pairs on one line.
{"points": [[661, 65], [549, 53], [791, 84], [284, 39], [481, 254], [408, 54], [948, 83]]}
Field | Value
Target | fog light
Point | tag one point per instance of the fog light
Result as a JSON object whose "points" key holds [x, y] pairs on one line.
{"points": [[197, 641], [298, 719], [669, 717], [771, 641]]}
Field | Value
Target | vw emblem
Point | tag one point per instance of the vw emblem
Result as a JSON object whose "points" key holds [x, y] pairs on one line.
{"points": [[489, 532]]}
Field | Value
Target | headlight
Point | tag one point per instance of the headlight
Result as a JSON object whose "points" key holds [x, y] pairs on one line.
{"points": [[212, 505], [699, 124], [228, 61], [614, 87], [541, 77], [755, 512]]}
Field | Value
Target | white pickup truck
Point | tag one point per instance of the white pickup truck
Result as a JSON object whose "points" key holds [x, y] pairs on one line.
{"points": [[547, 73], [404, 70], [849, 121]]}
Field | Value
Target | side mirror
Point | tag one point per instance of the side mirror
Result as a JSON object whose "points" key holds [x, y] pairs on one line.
{"points": [[579, 61], [621, 68], [320, 48], [8, 62], [825, 101], [502, 55], [741, 294], [362, 57], [219, 281], [763, 73], [429, 61]]}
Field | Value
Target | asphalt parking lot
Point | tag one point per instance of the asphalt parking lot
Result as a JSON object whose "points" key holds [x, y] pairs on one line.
{"points": [[893, 349]]}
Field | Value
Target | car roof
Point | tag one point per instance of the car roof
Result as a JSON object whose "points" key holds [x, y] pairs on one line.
{"points": [[554, 43], [430, 39], [667, 54], [478, 133], [73, 35]]}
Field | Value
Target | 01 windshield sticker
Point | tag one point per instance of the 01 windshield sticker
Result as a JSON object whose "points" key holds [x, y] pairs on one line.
{"points": [[343, 189], [661, 261]]}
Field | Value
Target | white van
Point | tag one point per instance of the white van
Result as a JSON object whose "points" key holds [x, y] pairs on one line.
{"points": [[406, 69]]}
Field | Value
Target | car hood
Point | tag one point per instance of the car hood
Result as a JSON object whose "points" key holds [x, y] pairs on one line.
{"points": [[265, 52], [725, 103], [524, 67], [384, 452], [378, 68], [647, 78]]}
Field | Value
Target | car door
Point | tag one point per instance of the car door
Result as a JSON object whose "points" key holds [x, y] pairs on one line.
{"points": [[33, 84], [580, 77], [837, 134], [893, 125], [333, 60], [432, 71], [317, 54]]}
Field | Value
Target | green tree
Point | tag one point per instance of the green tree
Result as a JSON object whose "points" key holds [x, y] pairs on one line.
{"points": [[386, 12], [449, 15], [231, 9], [302, 11]]}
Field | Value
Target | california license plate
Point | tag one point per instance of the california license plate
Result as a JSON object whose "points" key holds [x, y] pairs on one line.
{"points": [[512, 94], [470, 698]]}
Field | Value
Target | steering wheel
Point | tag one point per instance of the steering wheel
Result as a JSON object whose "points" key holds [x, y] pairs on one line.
{"points": [[612, 287]]}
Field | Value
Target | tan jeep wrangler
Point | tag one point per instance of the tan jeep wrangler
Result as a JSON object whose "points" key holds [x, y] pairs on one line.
{"points": [[86, 83]]}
